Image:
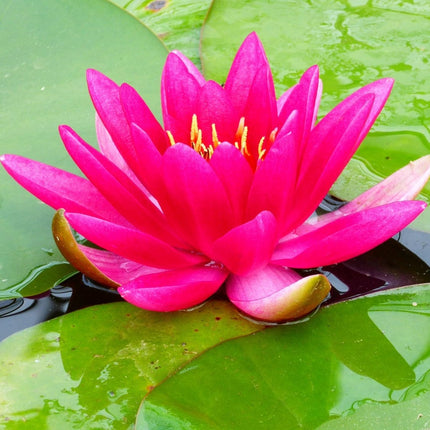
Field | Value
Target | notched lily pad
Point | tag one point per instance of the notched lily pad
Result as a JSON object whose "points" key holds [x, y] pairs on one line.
{"points": [[352, 364]]}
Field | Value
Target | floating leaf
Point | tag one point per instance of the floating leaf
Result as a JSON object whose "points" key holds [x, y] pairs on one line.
{"points": [[352, 363]]}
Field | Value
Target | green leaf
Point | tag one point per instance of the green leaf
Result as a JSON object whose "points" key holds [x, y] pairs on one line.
{"points": [[176, 22], [91, 368], [45, 48], [354, 43], [352, 365]]}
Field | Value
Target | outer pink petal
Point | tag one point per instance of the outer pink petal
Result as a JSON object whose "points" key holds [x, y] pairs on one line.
{"points": [[196, 203], [276, 294], [173, 290], [60, 189], [235, 174], [346, 237], [180, 87], [119, 269], [248, 247], [214, 107], [118, 189], [132, 244], [137, 111], [274, 181]]}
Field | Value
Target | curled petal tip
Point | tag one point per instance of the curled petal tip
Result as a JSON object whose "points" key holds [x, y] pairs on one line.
{"points": [[291, 302]]}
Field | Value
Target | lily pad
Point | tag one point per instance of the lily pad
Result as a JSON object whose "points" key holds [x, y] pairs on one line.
{"points": [[91, 368], [176, 22], [354, 362], [354, 44], [45, 47]]}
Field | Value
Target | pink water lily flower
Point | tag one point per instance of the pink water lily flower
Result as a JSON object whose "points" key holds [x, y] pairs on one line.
{"points": [[223, 193]]}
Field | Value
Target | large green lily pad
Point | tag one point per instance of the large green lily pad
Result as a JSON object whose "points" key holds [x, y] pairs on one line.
{"points": [[363, 363], [45, 48], [91, 368], [354, 43]]}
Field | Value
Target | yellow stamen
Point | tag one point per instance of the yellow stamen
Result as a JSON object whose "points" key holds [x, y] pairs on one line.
{"points": [[197, 144], [215, 141], [170, 136], [243, 143], [194, 129], [261, 151], [240, 129], [273, 135]]}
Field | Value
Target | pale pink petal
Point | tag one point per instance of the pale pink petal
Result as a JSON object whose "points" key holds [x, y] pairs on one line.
{"points": [[137, 111], [119, 269], [196, 203], [173, 290], [60, 189], [274, 181], [346, 237], [276, 294], [180, 87], [405, 184], [132, 244], [248, 247], [117, 188], [214, 107], [235, 174]]}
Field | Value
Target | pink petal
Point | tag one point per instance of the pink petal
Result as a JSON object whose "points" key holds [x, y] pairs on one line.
{"points": [[248, 61], [173, 290], [304, 98], [248, 247], [60, 189], [132, 244], [277, 294], [260, 111], [196, 203], [235, 174], [214, 107], [137, 111], [346, 237], [275, 180], [118, 189], [180, 87]]}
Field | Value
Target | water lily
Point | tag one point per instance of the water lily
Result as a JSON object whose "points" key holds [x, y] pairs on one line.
{"points": [[224, 192]]}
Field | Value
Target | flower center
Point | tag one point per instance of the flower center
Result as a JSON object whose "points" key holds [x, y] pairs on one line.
{"points": [[206, 150]]}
